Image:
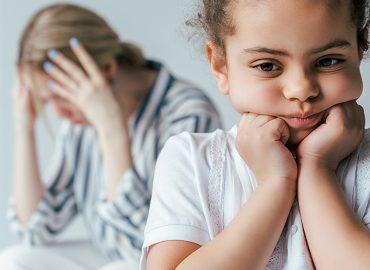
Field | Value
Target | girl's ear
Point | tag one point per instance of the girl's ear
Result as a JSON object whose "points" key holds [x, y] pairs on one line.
{"points": [[217, 63]]}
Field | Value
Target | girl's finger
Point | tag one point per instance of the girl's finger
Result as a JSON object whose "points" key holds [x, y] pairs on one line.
{"points": [[279, 129], [248, 118], [70, 68], [262, 120], [60, 76], [60, 91], [87, 61]]}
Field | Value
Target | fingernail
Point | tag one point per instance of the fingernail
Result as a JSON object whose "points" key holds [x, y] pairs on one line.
{"points": [[51, 84], [52, 53], [48, 66], [74, 42]]}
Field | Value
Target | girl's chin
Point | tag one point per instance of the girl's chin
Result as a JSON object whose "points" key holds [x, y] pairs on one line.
{"points": [[296, 136]]}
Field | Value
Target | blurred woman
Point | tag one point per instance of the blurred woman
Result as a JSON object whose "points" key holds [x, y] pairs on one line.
{"points": [[118, 109]]}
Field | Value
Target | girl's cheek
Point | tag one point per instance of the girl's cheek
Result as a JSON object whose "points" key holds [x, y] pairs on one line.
{"points": [[260, 98], [344, 88]]}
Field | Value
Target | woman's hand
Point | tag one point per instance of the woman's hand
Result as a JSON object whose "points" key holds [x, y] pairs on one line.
{"points": [[335, 139], [87, 89], [23, 105], [261, 143]]}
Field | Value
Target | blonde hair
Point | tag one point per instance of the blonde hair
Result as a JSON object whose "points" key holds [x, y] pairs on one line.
{"points": [[53, 26]]}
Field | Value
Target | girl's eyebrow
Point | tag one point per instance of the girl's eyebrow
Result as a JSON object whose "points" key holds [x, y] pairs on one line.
{"points": [[340, 43], [265, 50]]}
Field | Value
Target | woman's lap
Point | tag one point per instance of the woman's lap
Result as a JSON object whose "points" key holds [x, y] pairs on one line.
{"points": [[66, 255]]}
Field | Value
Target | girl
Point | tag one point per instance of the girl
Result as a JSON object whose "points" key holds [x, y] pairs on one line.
{"points": [[289, 187], [119, 109]]}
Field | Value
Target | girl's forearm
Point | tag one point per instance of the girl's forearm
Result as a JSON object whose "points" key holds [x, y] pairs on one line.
{"points": [[249, 240], [336, 237], [116, 151], [27, 186]]}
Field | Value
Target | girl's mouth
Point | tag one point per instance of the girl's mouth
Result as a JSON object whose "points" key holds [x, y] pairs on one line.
{"points": [[303, 121]]}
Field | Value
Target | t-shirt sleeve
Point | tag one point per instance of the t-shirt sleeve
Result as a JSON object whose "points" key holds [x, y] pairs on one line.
{"points": [[177, 210]]}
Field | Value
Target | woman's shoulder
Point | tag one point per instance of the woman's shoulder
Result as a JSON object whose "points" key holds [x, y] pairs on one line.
{"points": [[187, 92]]}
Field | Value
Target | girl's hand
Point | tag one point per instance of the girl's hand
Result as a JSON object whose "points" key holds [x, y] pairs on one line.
{"points": [[23, 105], [335, 139], [87, 89], [261, 143]]}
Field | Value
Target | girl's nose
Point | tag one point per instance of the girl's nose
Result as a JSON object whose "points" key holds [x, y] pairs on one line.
{"points": [[301, 88]]}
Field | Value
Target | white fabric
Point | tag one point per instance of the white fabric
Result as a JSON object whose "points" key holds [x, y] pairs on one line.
{"points": [[61, 256], [196, 173]]}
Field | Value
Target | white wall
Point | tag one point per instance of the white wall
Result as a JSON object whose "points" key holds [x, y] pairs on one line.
{"points": [[158, 26]]}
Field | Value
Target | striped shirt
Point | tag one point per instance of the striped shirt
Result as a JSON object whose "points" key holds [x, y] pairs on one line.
{"points": [[76, 177]]}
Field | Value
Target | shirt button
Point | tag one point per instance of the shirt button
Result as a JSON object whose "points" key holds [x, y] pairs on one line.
{"points": [[294, 229]]}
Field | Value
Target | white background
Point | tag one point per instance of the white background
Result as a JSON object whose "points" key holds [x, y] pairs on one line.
{"points": [[157, 26]]}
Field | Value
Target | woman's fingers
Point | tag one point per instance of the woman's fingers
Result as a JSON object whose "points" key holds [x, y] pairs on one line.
{"points": [[60, 91], [87, 61], [60, 76], [70, 68]]}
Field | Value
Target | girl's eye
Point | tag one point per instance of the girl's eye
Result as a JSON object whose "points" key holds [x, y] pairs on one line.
{"points": [[267, 67], [328, 62]]}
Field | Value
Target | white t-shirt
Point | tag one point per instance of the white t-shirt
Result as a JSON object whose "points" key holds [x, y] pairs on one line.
{"points": [[201, 182]]}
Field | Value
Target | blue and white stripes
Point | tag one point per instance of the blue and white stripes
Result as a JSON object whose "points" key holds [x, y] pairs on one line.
{"points": [[77, 180]]}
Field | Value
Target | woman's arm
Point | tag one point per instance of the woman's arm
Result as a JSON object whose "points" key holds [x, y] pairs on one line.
{"points": [[116, 151], [88, 90], [27, 187], [57, 205]]}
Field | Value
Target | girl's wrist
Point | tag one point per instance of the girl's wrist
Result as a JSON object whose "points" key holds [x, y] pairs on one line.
{"points": [[313, 163], [286, 187]]}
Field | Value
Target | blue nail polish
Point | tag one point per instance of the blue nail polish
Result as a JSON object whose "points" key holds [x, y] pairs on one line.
{"points": [[52, 53], [48, 66], [74, 42], [51, 84]]}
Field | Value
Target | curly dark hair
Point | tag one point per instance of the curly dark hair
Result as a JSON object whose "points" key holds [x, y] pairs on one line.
{"points": [[214, 19]]}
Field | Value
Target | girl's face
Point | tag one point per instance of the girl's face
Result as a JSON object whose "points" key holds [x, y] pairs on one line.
{"points": [[290, 59], [61, 107]]}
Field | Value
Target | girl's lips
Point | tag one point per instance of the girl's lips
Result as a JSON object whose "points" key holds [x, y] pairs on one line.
{"points": [[302, 121]]}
